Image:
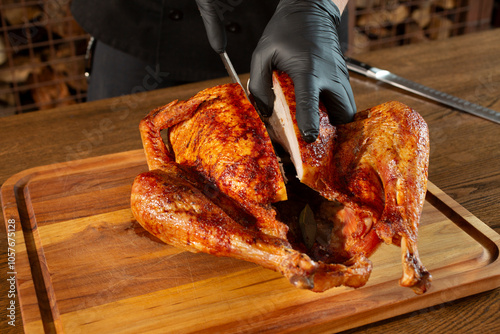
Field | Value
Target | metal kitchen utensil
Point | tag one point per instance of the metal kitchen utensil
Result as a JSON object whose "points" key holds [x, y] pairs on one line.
{"points": [[229, 68], [416, 88], [231, 71]]}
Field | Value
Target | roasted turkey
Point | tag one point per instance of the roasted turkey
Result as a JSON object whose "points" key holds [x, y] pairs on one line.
{"points": [[216, 185]]}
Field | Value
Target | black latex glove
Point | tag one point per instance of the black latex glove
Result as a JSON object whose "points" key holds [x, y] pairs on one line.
{"points": [[213, 24], [301, 39]]}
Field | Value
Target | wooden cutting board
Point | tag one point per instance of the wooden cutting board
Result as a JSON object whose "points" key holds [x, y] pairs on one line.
{"points": [[85, 265]]}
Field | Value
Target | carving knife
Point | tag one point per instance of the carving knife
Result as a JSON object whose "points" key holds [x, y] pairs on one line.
{"points": [[418, 89]]}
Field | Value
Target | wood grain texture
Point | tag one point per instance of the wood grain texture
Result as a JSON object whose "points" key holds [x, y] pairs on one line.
{"points": [[99, 271], [465, 150]]}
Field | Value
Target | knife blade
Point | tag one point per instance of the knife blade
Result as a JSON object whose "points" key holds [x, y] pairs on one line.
{"points": [[231, 71], [229, 68], [421, 90]]}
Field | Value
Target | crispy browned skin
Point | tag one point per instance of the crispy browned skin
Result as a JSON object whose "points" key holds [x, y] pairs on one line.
{"points": [[392, 142], [172, 205], [376, 167], [212, 189], [316, 155], [219, 134], [213, 192]]}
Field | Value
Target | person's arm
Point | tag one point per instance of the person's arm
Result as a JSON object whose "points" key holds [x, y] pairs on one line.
{"points": [[341, 4]]}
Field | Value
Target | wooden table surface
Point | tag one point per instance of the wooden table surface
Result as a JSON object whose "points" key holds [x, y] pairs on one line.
{"points": [[464, 159]]}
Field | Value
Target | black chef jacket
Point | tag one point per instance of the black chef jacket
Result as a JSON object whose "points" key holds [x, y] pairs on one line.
{"points": [[171, 32]]}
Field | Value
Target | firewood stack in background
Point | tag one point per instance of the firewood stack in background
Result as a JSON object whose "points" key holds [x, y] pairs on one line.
{"points": [[376, 24], [42, 48], [42, 56]]}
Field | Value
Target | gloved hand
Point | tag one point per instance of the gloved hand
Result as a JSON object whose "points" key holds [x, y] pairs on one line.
{"points": [[213, 24], [301, 39]]}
